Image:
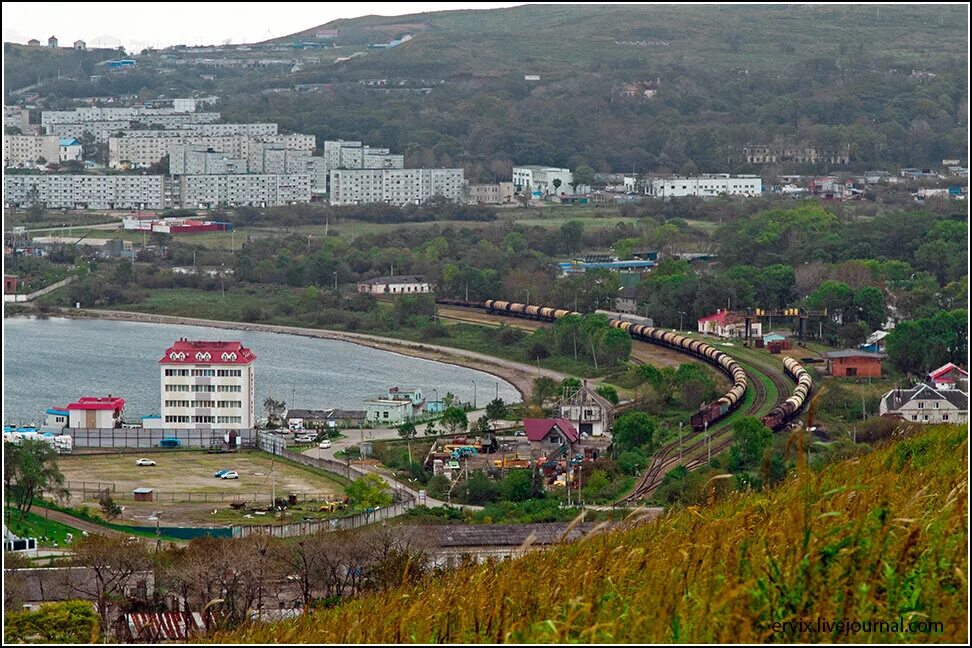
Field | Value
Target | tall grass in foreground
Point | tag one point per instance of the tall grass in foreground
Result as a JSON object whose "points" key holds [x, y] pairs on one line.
{"points": [[878, 538]]}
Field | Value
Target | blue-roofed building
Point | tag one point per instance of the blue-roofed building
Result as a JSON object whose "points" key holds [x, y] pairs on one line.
{"points": [[69, 149], [57, 417], [121, 64]]}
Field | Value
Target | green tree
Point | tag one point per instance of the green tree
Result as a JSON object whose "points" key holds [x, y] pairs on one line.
{"points": [[634, 430], [368, 491], [455, 420], [29, 469], [109, 507], [632, 461], [496, 409], [583, 176], [480, 489], [572, 236], [608, 392], [64, 622], [869, 304], [407, 431], [517, 486], [544, 387], [751, 439]]}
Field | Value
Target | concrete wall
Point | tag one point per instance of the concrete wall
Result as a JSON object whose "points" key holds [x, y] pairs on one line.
{"points": [[150, 438]]}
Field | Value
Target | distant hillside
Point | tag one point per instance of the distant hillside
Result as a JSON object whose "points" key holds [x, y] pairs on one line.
{"points": [[879, 538], [888, 82], [24, 66]]}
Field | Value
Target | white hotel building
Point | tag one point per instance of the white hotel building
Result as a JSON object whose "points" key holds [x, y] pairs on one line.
{"points": [[207, 385], [704, 186]]}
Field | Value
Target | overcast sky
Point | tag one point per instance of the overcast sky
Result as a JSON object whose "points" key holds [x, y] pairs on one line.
{"points": [[158, 24]]}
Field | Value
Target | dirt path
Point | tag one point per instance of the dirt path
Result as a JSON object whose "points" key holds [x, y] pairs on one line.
{"points": [[518, 374], [78, 523]]}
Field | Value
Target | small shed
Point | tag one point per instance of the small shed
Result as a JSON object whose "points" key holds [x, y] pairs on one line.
{"points": [[144, 494], [854, 364]]}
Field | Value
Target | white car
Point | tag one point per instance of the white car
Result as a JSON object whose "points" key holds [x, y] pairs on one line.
{"points": [[325, 444], [144, 462], [230, 475]]}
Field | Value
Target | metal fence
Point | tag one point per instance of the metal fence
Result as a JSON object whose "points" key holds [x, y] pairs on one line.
{"points": [[224, 496], [151, 437], [310, 527], [89, 486]]}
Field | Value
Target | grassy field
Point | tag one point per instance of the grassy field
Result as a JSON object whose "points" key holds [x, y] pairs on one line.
{"points": [[185, 489], [881, 538], [33, 525]]}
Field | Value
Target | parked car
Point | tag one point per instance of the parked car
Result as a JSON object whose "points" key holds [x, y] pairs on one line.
{"points": [[220, 473], [304, 438], [232, 474], [325, 444], [144, 462]]}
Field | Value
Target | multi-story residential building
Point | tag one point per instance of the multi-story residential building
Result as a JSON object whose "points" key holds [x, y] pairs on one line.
{"points": [[57, 191], [16, 117], [136, 149], [242, 190], [589, 412], [394, 186], [780, 153], [500, 193], [132, 113], [340, 154], [29, 150], [207, 385], [926, 403], [543, 180], [186, 159], [704, 186], [100, 130]]}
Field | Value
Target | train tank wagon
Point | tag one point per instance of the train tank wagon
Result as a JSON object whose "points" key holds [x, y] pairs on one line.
{"points": [[663, 337], [782, 413]]}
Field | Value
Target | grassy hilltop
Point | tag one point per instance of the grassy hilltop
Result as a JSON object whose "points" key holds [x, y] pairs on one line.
{"points": [[879, 538]]}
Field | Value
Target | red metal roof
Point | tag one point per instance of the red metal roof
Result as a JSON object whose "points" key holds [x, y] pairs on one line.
{"points": [[938, 374], [537, 429], [719, 317], [205, 352], [166, 626], [98, 403]]}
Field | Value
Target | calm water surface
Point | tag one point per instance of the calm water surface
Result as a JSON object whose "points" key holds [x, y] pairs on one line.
{"points": [[52, 362]]}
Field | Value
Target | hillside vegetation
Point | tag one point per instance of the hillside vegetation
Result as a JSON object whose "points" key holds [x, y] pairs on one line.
{"points": [[877, 539]]}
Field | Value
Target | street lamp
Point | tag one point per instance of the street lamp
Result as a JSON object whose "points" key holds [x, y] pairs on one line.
{"points": [[475, 401]]}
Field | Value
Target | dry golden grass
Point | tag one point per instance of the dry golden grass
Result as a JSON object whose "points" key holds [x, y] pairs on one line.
{"points": [[880, 538]]}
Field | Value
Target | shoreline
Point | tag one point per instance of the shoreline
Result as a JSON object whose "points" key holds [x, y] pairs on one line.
{"points": [[517, 374]]}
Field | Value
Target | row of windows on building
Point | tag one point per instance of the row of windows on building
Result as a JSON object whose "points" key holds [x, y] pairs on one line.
{"points": [[222, 373], [200, 403], [203, 419], [204, 388]]}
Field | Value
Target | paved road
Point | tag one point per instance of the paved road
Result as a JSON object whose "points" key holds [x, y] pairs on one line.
{"points": [[383, 434]]}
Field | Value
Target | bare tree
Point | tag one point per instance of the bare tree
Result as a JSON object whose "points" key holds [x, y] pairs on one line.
{"points": [[111, 564]]}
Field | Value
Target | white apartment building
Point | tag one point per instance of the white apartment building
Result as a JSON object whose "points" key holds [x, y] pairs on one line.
{"points": [[542, 179], [242, 190], [57, 191], [394, 186], [101, 130], [704, 186], [26, 150], [340, 154], [133, 113], [266, 157], [207, 385], [16, 117], [186, 159], [500, 193], [136, 149]]}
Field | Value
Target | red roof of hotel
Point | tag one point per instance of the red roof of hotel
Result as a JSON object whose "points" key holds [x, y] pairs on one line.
{"points": [[536, 429], [938, 374], [98, 403], [204, 352]]}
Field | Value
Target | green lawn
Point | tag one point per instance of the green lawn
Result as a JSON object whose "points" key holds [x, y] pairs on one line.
{"points": [[32, 525]]}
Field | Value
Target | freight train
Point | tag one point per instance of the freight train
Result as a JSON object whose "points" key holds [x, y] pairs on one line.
{"points": [[663, 337], [788, 408]]}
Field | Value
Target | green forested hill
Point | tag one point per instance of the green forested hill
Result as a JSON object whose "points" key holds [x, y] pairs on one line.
{"points": [[889, 82]]}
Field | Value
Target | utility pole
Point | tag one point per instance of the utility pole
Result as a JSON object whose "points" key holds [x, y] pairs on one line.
{"points": [[475, 400], [708, 440], [335, 281], [679, 439]]}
